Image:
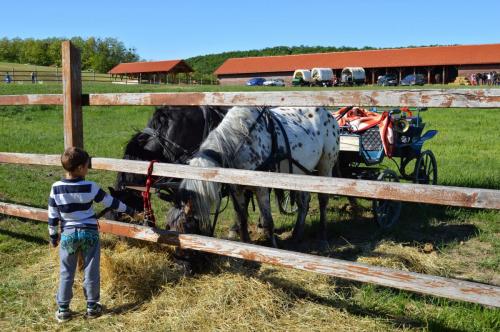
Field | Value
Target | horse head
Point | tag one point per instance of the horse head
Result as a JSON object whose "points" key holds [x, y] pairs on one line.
{"points": [[183, 216], [129, 197]]}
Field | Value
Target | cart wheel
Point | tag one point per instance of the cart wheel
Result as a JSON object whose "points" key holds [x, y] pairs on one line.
{"points": [[425, 168], [386, 213], [286, 201]]}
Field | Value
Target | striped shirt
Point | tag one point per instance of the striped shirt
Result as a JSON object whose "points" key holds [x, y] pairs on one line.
{"points": [[70, 204]]}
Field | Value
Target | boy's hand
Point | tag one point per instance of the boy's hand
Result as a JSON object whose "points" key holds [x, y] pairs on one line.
{"points": [[54, 240]]}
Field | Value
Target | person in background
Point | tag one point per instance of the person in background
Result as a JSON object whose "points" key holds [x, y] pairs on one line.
{"points": [[7, 79]]}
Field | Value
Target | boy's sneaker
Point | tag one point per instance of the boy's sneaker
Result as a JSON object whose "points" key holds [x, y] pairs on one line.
{"points": [[94, 311], [63, 315]]}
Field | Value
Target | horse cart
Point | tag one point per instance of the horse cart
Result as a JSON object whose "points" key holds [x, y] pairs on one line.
{"points": [[367, 137]]}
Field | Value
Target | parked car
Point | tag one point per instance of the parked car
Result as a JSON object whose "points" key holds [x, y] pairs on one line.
{"points": [[387, 80], [274, 82], [412, 79], [256, 81]]}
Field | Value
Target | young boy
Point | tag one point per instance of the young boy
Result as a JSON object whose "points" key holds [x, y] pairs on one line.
{"points": [[70, 207]]}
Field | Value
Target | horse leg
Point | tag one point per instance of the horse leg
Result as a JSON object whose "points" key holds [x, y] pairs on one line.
{"points": [[303, 199], [323, 203], [234, 231], [263, 200], [240, 203]]}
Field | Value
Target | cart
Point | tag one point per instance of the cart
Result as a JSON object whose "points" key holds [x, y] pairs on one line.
{"points": [[361, 150]]}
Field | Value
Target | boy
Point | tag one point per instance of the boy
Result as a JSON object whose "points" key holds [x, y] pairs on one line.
{"points": [[70, 205]]}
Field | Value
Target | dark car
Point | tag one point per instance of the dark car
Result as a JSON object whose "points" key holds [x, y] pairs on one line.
{"points": [[411, 79], [387, 80], [256, 81]]}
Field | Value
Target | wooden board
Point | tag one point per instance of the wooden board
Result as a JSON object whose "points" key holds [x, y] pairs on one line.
{"points": [[476, 98], [72, 95], [415, 282], [419, 193]]}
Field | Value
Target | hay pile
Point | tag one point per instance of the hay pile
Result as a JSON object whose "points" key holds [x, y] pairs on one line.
{"points": [[397, 256], [144, 290]]}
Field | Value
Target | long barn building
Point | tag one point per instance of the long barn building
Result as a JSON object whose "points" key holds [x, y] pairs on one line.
{"points": [[439, 64]]}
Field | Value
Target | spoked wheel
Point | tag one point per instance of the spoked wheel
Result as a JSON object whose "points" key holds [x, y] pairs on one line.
{"points": [[286, 200], [425, 168], [386, 213]]}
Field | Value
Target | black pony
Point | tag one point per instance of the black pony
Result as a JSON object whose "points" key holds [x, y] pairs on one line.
{"points": [[172, 135]]}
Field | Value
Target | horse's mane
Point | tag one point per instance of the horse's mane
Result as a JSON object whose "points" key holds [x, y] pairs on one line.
{"points": [[225, 140], [161, 119]]}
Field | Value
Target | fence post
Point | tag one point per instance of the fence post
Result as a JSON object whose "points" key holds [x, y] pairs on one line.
{"points": [[72, 95]]}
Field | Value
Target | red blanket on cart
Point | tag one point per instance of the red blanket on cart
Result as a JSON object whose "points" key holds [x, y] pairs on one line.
{"points": [[358, 119]]}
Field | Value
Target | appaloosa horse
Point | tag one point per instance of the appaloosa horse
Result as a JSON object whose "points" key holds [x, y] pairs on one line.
{"points": [[296, 140]]}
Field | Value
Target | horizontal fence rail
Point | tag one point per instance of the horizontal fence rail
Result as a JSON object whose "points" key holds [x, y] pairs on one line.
{"points": [[409, 281], [418, 193], [39, 99], [478, 98]]}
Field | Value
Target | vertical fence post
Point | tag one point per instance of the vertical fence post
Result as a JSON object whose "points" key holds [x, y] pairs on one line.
{"points": [[72, 95]]}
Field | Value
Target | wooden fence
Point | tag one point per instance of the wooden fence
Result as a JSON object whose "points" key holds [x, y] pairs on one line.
{"points": [[73, 100]]}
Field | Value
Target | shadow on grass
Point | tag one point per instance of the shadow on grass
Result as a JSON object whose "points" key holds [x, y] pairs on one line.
{"points": [[24, 237], [352, 235]]}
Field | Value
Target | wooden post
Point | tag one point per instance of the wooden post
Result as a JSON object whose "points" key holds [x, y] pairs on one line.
{"points": [[72, 95], [400, 74], [443, 80], [373, 76], [428, 75]]}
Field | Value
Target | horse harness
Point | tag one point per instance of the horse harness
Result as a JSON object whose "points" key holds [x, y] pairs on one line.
{"points": [[149, 217], [272, 162]]}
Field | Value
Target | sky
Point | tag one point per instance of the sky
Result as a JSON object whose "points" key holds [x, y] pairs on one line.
{"points": [[162, 30]]}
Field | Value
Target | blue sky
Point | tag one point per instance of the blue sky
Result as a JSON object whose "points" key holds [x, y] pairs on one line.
{"points": [[181, 29]]}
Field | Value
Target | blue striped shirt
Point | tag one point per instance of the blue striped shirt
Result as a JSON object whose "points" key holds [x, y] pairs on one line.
{"points": [[70, 204]]}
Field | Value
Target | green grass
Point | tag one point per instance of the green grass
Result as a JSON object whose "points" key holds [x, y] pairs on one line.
{"points": [[466, 240], [45, 73]]}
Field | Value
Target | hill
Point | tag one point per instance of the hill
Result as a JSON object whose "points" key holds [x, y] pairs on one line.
{"points": [[207, 64]]}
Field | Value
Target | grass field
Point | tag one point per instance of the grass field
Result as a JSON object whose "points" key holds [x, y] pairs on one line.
{"points": [[22, 72], [143, 289]]}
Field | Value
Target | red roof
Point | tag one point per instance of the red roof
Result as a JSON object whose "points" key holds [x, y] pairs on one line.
{"points": [[402, 57], [150, 67]]}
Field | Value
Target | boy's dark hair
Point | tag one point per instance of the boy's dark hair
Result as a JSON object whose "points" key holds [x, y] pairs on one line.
{"points": [[74, 157]]}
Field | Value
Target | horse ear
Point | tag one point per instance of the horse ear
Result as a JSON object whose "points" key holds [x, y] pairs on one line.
{"points": [[188, 207]]}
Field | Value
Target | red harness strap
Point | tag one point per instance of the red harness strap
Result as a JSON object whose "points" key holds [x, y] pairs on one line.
{"points": [[149, 216]]}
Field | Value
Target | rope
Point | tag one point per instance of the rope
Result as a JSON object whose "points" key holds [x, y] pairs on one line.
{"points": [[149, 217]]}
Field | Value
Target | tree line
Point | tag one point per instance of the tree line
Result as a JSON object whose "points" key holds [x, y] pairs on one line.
{"points": [[207, 64], [102, 54], [99, 54]]}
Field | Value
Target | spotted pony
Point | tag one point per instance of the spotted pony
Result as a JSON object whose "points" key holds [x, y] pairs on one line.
{"points": [[243, 141]]}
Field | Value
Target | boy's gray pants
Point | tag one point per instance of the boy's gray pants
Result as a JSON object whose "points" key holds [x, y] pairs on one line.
{"points": [[68, 262]]}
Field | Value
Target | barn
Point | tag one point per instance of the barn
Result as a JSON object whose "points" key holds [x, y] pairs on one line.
{"points": [[150, 72], [439, 64]]}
